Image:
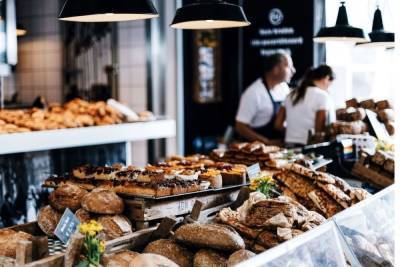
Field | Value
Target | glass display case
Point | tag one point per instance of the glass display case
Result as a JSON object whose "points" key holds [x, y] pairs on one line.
{"points": [[369, 229], [362, 235], [319, 247]]}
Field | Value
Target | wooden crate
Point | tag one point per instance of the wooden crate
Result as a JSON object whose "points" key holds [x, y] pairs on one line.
{"points": [[145, 210], [36, 253]]}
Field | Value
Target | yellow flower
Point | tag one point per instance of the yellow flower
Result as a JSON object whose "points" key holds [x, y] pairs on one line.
{"points": [[102, 246]]}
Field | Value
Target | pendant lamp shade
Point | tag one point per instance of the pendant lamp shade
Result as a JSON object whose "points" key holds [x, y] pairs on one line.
{"points": [[342, 31], [107, 10], [209, 14], [379, 37], [21, 31]]}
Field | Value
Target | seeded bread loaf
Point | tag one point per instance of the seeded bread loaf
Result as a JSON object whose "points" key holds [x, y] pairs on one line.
{"points": [[171, 250], [103, 201], [48, 219]]}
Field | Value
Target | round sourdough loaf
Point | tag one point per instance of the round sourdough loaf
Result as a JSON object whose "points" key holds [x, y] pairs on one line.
{"points": [[9, 240], [239, 256], [48, 219], [151, 260], [213, 236], [119, 259], [103, 201], [115, 226], [209, 258], [85, 216], [67, 196], [171, 250]]}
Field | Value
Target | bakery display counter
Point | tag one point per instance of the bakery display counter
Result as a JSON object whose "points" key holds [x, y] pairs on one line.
{"points": [[88, 136]]}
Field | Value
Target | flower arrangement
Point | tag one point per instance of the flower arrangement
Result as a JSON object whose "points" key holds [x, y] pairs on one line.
{"points": [[263, 185], [93, 246]]}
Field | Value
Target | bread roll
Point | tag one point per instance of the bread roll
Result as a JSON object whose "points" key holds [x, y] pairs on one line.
{"points": [[151, 260], [352, 103], [48, 219], [383, 104], [171, 250], [103, 201], [210, 236], [240, 256], [209, 258], [115, 226], [368, 104], [9, 240], [119, 259], [67, 196]]}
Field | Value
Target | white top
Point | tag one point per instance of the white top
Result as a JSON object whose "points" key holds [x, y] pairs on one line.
{"points": [[301, 117], [256, 108]]}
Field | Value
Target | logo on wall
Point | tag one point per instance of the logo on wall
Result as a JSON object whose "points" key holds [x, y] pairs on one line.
{"points": [[276, 16]]}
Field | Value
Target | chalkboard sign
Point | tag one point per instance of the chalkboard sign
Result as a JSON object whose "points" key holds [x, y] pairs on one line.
{"points": [[278, 25], [67, 226]]}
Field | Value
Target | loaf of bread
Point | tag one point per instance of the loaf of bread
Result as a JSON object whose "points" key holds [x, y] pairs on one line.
{"points": [[84, 216], [103, 201], [368, 104], [239, 256], [9, 240], [152, 260], [212, 236], [383, 104], [352, 103], [171, 250], [115, 226], [390, 127], [209, 258], [67, 196], [48, 219], [119, 259], [386, 115]]}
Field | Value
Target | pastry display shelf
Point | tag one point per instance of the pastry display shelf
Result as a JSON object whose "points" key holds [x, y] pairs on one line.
{"points": [[87, 136]]}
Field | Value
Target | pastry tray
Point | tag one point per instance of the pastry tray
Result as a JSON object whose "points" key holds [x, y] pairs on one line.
{"points": [[226, 188]]}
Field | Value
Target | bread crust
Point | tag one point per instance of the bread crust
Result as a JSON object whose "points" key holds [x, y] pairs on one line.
{"points": [[67, 196], [9, 240], [171, 250], [115, 226], [48, 219], [209, 258], [103, 201]]}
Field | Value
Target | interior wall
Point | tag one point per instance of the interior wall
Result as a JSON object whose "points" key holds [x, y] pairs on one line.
{"points": [[40, 52]]}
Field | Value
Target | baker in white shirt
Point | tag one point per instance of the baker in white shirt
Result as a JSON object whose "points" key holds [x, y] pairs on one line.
{"points": [[308, 107], [261, 101]]}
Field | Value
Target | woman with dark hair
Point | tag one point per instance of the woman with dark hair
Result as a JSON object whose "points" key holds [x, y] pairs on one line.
{"points": [[308, 107], [261, 101]]}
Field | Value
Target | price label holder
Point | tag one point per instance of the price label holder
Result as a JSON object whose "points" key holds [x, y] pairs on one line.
{"points": [[67, 226], [253, 171]]}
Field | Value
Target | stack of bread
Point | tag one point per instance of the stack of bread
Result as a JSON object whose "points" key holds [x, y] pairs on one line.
{"points": [[178, 175], [318, 191], [265, 223], [351, 119], [100, 204], [192, 245]]}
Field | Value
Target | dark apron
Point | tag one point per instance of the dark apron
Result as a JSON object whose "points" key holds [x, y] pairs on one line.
{"points": [[268, 130]]}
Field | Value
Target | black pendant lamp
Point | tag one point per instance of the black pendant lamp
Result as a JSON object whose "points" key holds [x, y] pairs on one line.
{"points": [[379, 37], [342, 31], [21, 31], [209, 14], [107, 10]]}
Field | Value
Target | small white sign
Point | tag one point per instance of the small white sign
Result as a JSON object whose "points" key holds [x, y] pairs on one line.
{"points": [[253, 171]]}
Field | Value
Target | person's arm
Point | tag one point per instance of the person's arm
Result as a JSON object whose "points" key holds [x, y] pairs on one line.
{"points": [[280, 120], [247, 132], [320, 121]]}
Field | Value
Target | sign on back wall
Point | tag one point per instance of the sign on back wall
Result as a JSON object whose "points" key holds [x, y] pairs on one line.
{"points": [[277, 25]]}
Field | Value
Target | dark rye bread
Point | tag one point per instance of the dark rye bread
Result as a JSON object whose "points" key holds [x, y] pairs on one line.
{"points": [[214, 236], [67, 196], [48, 219], [209, 258], [171, 250], [103, 201]]}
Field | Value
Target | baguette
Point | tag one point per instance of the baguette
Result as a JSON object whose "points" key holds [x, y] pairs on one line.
{"points": [[212, 236]]}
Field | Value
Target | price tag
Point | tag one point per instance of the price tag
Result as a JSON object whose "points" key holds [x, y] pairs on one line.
{"points": [[67, 226], [253, 171]]}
